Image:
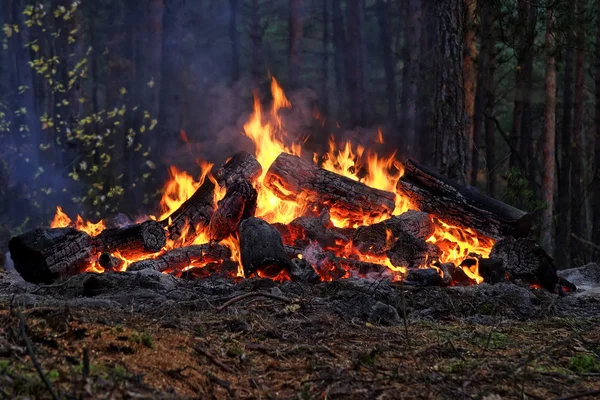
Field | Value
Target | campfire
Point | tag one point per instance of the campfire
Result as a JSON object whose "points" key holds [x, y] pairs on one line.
{"points": [[287, 215]]}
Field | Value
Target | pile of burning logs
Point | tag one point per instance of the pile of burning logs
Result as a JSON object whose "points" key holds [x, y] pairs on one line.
{"points": [[310, 247]]}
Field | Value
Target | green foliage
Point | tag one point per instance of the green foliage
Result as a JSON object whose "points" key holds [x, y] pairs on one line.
{"points": [[519, 193], [147, 340], [584, 363]]}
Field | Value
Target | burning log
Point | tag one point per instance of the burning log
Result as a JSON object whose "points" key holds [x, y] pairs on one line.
{"points": [[176, 260], [375, 238], [238, 204], [460, 205], [241, 167], [133, 241], [261, 248], [525, 259], [193, 215], [43, 255], [289, 176]]}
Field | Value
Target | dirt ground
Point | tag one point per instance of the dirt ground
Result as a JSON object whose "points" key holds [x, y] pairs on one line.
{"points": [[257, 351], [134, 336]]}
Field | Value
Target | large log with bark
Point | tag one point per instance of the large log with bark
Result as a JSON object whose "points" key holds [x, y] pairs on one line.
{"points": [[238, 204], [412, 252], [133, 241], [525, 259], [193, 216], [290, 176], [460, 205], [45, 254], [176, 260], [261, 249], [241, 167]]}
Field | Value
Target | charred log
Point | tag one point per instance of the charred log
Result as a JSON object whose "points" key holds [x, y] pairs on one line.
{"points": [[290, 176], [241, 167], [193, 216], [302, 271], [492, 270], [422, 277], [377, 238], [447, 273], [459, 205], [301, 231], [110, 262], [238, 204], [133, 241], [525, 259], [43, 255], [410, 252], [261, 249], [174, 261]]}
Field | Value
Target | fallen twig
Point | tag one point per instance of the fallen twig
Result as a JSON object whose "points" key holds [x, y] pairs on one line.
{"points": [[36, 364], [580, 395], [253, 294], [214, 359]]}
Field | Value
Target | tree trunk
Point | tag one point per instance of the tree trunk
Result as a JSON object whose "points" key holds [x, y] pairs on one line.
{"points": [[488, 62], [386, 33], [426, 85], [577, 195], [235, 40], [526, 136], [355, 60], [549, 141], [450, 130], [339, 42], [596, 198], [295, 27], [412, 35], [325, 59], [563, 228], [470, 79], [523, 52]]}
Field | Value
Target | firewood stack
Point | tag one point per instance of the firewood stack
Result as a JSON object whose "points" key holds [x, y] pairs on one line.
{"points": [[310, 248]]}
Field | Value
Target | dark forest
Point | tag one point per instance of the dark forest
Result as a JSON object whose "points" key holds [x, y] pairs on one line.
{"points": [[500, 95]]}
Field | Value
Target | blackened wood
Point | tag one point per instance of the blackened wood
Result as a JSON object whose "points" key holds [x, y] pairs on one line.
{"points": [[241, 167], [45, 254], [492, 270], [261, 248], [422, 277], [238, 204], [525, 259], [302, 271], [460, 205], [174, 261], [195, 212], [376, 238], [460, 278], [409, 252], [133, 241], [110, 262], [290, 176]]}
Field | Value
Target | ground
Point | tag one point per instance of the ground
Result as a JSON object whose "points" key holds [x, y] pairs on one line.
{"points": [[300, 343]]}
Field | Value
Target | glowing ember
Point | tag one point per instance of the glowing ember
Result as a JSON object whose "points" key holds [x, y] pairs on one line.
{"points": [[267, 132]]}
